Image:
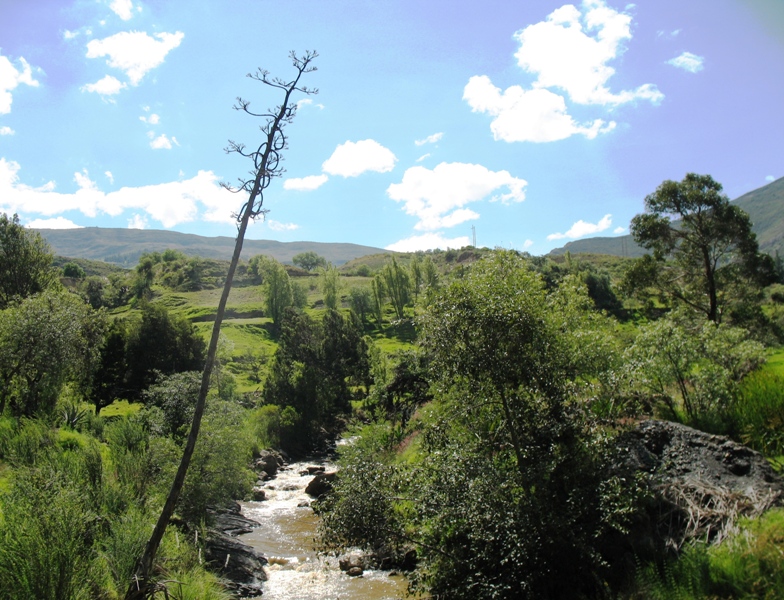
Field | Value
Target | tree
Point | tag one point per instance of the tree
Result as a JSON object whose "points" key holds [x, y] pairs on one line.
{"points": [[160, 344], [73, 270], [379, 291], [360, 301], [266, 165], [309, 260], [330, 286], [278, 293], [25, 262], [712, 248], [398, 285], [45, 341]]}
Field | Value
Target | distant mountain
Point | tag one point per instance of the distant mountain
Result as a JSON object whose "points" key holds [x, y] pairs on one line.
{"points": [[765, 206], [125, 246]]}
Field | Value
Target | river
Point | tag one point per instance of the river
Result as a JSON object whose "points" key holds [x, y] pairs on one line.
{"points": [[285, 536]]}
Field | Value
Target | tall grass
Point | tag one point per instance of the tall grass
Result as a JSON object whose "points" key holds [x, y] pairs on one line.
{"points": [[758, 413], [748, 565]]}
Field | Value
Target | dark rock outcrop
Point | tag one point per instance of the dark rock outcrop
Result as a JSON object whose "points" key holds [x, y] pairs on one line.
{"points": [[236, 562], [700, 483]]}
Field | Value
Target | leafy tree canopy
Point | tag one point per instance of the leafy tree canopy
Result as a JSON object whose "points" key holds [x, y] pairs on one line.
{"points": [[713, 251], [309, 260], [25, 261]]}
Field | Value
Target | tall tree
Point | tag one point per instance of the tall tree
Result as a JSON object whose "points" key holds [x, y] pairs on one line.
{"points": [[25, 261], [278, 293], [709, 242], [398, 284], [266, 165], [330, 286]]}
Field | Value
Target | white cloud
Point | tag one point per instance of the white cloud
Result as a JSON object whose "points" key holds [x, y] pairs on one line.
{"points": [[305, 184], [668, 35], [108, 86], [10, 78], [137, 221], [163, 143], [527, 244], [122, 8], [6, 130], [688, 62], [431, 139], [581, 229], [69, 35], [437, 197], [308, 102], [171, 203], [571, 50], [428, 241], [153, 119], [134, 52], [770, 178], [619, 230], [278, 226], [423, 157], [56, 223], [354, 158], [520, 115], [109, 176]]}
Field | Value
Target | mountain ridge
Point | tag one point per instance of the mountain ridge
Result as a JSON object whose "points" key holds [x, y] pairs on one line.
{"points": [[125, 246]]}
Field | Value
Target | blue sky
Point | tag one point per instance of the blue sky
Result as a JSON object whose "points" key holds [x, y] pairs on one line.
{"points": [[534, 122]]}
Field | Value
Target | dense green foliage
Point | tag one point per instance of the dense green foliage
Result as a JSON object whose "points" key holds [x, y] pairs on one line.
{"points": [[715, 257], [25, 262]]}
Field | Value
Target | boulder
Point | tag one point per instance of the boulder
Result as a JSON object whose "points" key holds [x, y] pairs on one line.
{"points": [[268, 462], [321, 484], [230, 520], [701, 483]]}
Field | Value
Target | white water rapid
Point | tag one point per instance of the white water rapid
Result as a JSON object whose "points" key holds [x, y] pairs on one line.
{"points": [[285, 536]]}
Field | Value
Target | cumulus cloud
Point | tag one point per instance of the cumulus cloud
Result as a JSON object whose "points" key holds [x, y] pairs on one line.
{"points": [[569, 54], [431, 139], [770, 178], [438, 197], [162, 142], [153, 119], [137, 221], [134, 52], [581, 229], [688, 62], [527, 244], [56, 223], [107, 86], [520, 115], [122, 8], [278, 226], [109, 176], [169, 203], [619, 230], [6, 130], [428, 241], [305, 184], [10, 78], [571, 50], [354, 158]]}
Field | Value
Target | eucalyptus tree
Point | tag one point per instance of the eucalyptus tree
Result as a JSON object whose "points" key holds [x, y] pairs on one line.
{"points": [[266, 165], [713, 252]]}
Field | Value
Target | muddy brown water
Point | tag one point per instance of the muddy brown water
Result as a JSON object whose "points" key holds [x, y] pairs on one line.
{"points": [[286, 537]]}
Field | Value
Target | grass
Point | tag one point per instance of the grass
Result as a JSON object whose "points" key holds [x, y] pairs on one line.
{"points": [[121, 408], [775, 363]]}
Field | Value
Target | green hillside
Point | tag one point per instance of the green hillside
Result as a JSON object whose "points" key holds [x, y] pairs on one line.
{"points": [[765, 206], [124, 246]]}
